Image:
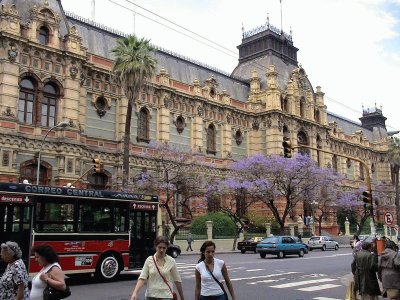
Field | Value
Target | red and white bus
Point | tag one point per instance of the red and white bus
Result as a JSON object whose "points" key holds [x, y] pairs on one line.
{"points": [[93, 231]]}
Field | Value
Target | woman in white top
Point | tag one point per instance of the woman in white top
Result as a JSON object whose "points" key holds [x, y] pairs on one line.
{"points": [[51, 272], [157, 288], [207, 288]]}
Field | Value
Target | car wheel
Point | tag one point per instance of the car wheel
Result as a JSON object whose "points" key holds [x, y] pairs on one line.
{"points": [[174, 253], [108, 267], [336, 247], [301, 253], [263, 255], [323, 248], [243, 251], [281, 254]]}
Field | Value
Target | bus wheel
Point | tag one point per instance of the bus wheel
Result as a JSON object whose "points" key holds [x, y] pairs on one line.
{"points": [[108, 267]]}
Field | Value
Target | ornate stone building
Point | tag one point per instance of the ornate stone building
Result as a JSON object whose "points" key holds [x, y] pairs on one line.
{"points": [[56, 66]]}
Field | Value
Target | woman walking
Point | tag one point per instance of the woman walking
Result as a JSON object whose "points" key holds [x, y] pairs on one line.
{"points": [[50, 274], [14, 281], [209, 273], [161, 273]]}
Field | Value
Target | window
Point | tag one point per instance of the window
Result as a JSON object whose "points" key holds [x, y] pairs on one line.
{"points": [[238, 137], [335, 163], [302, 108], [43, 35], [362, 177], [48, 107], [319, 154], [97, 181], [302, 139], [95, 217], [53, 215], [284, 104], [211, 140], [5, 162], [27, 97], [143, 126], [317, 116]]}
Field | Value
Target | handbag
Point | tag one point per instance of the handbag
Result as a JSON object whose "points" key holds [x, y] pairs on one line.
{"points": [[217, 281], [174, 295], [51, 293]]}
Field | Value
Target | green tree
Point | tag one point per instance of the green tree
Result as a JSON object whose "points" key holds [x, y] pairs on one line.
{"points": [[133, 67], [394, 159]]}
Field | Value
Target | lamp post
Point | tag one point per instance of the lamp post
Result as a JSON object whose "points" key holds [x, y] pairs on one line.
{"points": [[62, 124], [314, 205]]}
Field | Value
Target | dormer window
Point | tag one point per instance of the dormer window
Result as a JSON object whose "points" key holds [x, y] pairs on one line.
{"points": [[43, 35]]}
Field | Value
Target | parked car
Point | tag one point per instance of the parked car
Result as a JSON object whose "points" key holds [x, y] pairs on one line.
{"points": [[174, 250], [297, 240], [249, 244], [322, 242], [280, 246]]}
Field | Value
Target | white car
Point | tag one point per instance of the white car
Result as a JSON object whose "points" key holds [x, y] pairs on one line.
{"points": [[323, 243]]}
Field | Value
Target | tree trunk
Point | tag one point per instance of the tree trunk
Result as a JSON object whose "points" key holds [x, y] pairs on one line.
{"points": [[127, 142], [396, 199]]}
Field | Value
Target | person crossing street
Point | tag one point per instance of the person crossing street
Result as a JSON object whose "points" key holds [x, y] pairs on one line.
{"points": [[189, 240]]}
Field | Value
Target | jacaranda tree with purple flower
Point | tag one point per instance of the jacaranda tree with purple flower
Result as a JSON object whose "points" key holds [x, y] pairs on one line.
{"points": [[282, 183], [175, 178]]}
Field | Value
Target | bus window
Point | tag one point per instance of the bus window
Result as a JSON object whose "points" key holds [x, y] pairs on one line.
{"points": [[120, 218], [54, 216], [95, 217]]}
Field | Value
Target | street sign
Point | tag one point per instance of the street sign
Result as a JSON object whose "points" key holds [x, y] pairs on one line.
{"points": [[388, 218]]}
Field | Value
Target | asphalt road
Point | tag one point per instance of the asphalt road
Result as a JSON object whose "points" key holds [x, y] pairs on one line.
{"points": [[317, 276]]}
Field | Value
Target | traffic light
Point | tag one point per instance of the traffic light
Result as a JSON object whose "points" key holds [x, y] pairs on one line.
{"points": [[98, 165], [367, 199], [287, 149]]}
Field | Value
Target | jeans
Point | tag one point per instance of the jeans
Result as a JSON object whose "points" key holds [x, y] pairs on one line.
{"points": [[219, 297]]}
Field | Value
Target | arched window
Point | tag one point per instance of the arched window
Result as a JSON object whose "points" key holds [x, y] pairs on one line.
{"points": [[361, 168], [143, 130], [302, 139], [211, 140], [48, 106], [284, 104], [319, 146], [302, 108], [43, 35], [317, 116], [26, 101], [286, 133], [335, 163]]}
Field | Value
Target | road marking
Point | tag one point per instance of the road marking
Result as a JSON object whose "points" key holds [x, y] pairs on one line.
{"points": [[263, 281], [299, 283], [254, 270], [263, 276], [325, 298], [318, 287]]}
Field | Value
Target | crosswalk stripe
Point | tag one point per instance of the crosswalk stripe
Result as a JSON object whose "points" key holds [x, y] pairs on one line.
{"points": [[299, 283], [263, 276], [254, 270], [263, 281], [318, 287], [325, 298]]}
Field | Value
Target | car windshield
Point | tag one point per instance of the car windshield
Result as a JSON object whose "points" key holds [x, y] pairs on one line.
{"points": [[272, 240]]}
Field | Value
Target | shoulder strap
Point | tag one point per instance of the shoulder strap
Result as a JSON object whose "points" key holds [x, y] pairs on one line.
{"points": [[163, 278], [216, 280], [52, 266]]}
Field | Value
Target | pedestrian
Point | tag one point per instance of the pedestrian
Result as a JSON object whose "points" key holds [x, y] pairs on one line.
{"points": [[161, 273], [364, 268], [389, 271], [357, 243], [14, 281], [300, 238], [209, 273], [51, 273], [189, 240]]}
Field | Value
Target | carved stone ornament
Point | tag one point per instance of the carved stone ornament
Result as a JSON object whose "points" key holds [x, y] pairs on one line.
{"points": [[268, 122], [73, 71], [238, 137], [101, 106], [12, 53], [8, 113], [82, 78], [166, 103], [255, 125], [228, 119], [180, 124], [200, 111]]}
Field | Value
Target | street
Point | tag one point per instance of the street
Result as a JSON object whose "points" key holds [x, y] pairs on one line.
{"points": [[318, 276]]}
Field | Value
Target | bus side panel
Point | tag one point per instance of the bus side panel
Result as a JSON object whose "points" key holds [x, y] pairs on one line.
{"points": [[82, 256]]}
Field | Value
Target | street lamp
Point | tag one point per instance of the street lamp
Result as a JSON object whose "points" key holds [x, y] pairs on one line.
{"points": [[314, 205], [62, 124]]}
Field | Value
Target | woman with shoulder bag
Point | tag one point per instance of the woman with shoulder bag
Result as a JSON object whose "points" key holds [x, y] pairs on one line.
{"points": [[50, 275], [14, 281], [209, 273], [161, 273]]}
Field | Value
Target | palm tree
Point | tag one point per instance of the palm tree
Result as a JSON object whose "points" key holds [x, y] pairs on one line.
{"points": [[133, 67], [394, 159]]}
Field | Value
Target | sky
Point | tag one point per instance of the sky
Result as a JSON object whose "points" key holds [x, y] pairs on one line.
{"points": [[351, 48]]}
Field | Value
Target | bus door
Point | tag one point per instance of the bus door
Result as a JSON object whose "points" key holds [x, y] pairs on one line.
{"points": [[142, 233], [16, 221]]}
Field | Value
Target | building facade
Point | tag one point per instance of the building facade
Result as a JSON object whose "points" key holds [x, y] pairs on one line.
{"points": [[56, 66]]}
